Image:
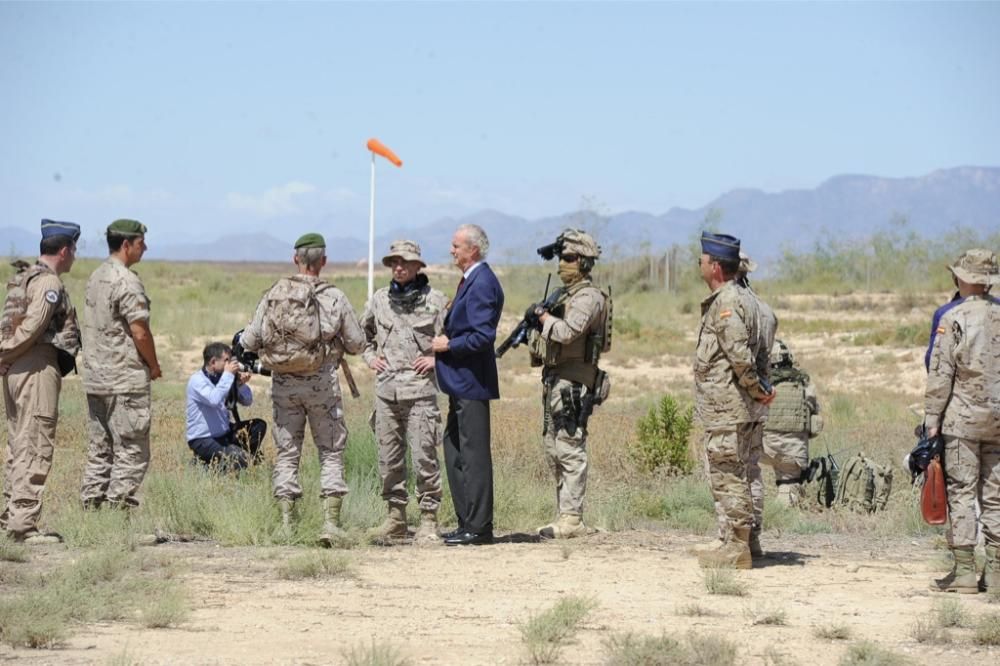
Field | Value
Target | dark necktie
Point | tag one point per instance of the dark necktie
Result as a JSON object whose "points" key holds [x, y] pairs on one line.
{"points": [[460, 283]]}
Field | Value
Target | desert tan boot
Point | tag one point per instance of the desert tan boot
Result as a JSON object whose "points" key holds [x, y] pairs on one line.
{"points": [[990, 580], [568, 526], [332, 534], [734, 553], [392, 529], [755, 549], [286, 506], [962, 578], [428, 530]]}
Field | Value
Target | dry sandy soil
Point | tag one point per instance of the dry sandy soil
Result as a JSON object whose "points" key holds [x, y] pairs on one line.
{"points": [[462, 606]]}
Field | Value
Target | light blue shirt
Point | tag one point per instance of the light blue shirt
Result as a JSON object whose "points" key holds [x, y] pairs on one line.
{"points": [[207, 415]]}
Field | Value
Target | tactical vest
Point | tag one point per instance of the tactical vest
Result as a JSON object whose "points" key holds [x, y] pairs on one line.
{"points": [[63, 333], [577, 360], [789, 411]]}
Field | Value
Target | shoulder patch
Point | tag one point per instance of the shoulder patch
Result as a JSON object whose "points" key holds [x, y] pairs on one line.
{"points": [[52, 296], [725, 313]]}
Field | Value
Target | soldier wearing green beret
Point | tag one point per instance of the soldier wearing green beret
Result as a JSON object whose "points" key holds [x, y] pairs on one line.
{"points": [[301, 329], [119, 362]]}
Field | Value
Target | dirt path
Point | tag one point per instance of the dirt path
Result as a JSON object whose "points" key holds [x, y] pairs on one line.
{"points": [[462, 606]]}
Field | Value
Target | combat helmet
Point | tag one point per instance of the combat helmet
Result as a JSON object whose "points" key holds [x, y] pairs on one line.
{"points": [[582, 244], [781, 355]]}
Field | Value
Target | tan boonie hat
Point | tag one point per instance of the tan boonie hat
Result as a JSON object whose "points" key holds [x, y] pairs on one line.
{"points": [[579, 242], [406, 250], [747, 265], [977, 266]]}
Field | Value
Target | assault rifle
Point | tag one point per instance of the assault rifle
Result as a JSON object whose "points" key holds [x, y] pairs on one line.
{"points": [[531, 319]]}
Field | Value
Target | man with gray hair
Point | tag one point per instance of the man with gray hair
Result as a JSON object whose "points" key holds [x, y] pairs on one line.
{"points": [[467, 371], [301, 329]]}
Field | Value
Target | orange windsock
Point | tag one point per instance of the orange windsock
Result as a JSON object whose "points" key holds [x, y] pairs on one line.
{"points": [[379, 148]]}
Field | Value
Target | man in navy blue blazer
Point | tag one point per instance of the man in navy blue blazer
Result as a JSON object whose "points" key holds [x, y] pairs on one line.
{"points": [[467, 371]]}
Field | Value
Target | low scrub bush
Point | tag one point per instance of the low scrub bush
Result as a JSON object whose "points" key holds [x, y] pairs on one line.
{"points": [[545, 633], [662, 438]]}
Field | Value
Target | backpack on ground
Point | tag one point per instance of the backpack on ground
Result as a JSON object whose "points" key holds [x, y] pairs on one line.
{"points": [[291, 334], [863, 485]]}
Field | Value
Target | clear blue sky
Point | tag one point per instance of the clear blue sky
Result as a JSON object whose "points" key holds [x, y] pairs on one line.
{"points": [[208, 118]]}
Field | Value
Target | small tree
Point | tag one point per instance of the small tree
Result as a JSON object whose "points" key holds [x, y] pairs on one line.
{"points": [[663, 438]]}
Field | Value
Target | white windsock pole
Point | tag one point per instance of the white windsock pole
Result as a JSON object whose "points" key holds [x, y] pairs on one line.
{"points": [[377, 148], [371, 236]]}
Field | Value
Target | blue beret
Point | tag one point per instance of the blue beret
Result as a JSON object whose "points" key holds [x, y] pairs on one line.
{"points": [[52, 228], [720, 245]]}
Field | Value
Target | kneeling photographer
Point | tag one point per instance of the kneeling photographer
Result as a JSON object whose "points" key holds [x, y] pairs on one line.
{"points": [[213, 392]]}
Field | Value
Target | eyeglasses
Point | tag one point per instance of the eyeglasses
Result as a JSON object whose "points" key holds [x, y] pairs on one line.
{"points": [[569, 258]]}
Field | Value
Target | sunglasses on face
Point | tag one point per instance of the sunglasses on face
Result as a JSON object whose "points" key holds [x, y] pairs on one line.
{"points": [[569, 258]]}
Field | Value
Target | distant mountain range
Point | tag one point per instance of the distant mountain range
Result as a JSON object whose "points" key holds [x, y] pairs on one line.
{"points": [[847, 206]]}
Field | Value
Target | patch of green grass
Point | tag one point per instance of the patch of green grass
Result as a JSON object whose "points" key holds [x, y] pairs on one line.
{"points": [[950, 613], [167, 609], [105, 585], [630, 649], [867, 653], [695, 610], [12, 552], [545, 633], [927, 630], [316, 564], [767, 615], [987, 630], [375, 654], [833, 632], [723, 582]]}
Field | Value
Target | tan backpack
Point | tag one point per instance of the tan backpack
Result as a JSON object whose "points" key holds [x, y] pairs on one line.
{"points": [[291, 333]]}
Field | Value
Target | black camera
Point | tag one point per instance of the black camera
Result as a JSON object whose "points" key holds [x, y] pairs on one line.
{"points": [[248, 360]]}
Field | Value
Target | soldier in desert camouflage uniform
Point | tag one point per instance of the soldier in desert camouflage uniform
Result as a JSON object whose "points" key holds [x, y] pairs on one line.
{"points": [[119, 362], [962, 404], [727, 389], [764, 326], [573, 334], [399, 323], [39, 339], [303, 345]]}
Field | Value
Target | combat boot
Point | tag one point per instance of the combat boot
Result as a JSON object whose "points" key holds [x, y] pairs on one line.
{"points": [[332, 535], [394, 527], [35, 538], [962, 578], [734, 553], [755, 549], [286, 506], [990, 580], [428, 530], [568, 526]]}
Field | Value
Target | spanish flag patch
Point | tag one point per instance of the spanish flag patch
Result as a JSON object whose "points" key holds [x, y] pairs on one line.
{"points": [[725, 313]]}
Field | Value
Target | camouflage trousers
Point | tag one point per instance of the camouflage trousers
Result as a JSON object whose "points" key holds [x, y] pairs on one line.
{"points": [[118, 454], [564, 443], [298, 399], [972, 470], [418, 420], [788, 454], [727, 452], [31, 397]]}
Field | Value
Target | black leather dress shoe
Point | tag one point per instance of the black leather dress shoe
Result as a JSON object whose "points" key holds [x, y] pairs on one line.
{"points": [[454, 533], [469, 539]]}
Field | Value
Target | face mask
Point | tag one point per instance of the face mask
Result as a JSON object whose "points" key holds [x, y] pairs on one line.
{"points": [[570, 272]]}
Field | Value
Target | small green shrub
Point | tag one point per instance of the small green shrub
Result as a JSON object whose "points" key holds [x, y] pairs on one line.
{"points": [[987, 630], [867, 653], [724, 582], [544, 634], [376, 654], [950, 613], [927, 630], [316, 564], [631, 649], [662, 438], [833, 632], [12, 552]]}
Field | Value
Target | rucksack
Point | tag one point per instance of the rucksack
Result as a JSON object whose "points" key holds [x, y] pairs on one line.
{"points": [[291, 333], [863, 485]]}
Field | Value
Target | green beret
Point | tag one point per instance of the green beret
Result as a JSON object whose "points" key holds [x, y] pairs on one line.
{"points": [[125, 227], [310, 240]]}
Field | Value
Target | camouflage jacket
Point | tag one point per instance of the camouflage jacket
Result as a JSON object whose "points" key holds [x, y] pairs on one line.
{"points": [[115, 299], [339, 328], [725, 372], [400, 333], [762, 325], [562, 344], [37, 311], [963, 382]]}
